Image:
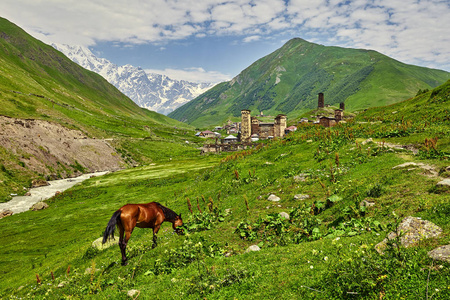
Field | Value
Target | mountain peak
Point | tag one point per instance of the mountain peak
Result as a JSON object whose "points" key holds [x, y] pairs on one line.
{"points": [[149, 90]]}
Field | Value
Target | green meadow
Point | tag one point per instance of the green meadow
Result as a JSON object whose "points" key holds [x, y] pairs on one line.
{"points": [[325, 251]]}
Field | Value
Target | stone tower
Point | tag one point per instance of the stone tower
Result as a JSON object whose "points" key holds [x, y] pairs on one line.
{"points": [[279, 126], [342, 106], [321, 103], [246, 126]]}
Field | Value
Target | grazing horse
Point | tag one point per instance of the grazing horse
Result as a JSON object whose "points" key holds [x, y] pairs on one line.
{"points": [[150, 215]]}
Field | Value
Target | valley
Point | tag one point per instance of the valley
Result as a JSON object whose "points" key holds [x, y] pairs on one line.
{"points": [[320, 213]]}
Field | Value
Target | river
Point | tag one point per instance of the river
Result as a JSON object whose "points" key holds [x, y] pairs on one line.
{"points": [[20, 204]]}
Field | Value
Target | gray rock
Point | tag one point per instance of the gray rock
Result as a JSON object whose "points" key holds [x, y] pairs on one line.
{"points": [[284, 215], [408, 164], [97, 244], [39, 182], [445, 182], [39, 206], [440, 253], [367, 141], [273, 198], [252, 248], [301, 197], [133, 293], [5, 213], [411, 231], [366, 203]]}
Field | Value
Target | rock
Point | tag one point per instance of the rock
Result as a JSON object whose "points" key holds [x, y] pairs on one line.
{"points": [[39, 206], [408, 164], [27, 194], [252, 248], [5, 213], [284, 215], [366, 203], [367, 141], [411, 231], [444, 183], [133, 293], [273, 198], [97, 244], [39, 182], [440, 253], [301, 197]]}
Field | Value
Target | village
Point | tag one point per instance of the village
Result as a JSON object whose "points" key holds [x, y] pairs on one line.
{"points": [[244, 134]]}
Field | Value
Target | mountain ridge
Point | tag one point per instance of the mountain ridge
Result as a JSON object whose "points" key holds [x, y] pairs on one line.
{"points": [[153, 91], [288, 80]]}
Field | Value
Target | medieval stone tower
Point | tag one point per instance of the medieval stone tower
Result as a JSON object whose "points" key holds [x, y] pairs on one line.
{"points": [[246, 125], [279, 126], [321, 103], [342, 106]]}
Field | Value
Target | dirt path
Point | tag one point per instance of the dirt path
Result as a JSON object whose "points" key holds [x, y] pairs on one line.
{"points": [[23, 203]]}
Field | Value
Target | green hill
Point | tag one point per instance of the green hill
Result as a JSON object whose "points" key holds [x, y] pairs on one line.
{"points": [[288, 80], [345, 189], [58, 119]]}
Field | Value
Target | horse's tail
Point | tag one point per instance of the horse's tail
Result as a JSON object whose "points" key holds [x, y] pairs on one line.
{"points": [[109, 231]]}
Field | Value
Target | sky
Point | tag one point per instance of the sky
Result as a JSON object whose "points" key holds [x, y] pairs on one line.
{"points": [[214, 40]]}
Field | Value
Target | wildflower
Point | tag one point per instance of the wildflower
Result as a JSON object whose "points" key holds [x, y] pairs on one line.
{"points": [[311, 267], [325, 258]]}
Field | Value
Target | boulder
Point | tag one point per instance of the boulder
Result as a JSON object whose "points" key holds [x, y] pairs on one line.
{"points": [[97, 244], [441, 253], [284, 215], [39, 182], [5, 213], [252, 248], [39, 206], [273, 198], [444, 183], [411, 231]]}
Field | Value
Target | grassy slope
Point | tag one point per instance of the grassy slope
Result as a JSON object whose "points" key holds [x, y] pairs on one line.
{"points": [[289, 79], [38, 82], [285, 272]]}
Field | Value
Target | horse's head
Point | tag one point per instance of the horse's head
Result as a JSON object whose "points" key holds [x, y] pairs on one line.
{"points": [[178, 222]]}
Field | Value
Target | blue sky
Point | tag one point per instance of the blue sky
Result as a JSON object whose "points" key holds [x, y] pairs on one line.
{"points": [[210, 40]]}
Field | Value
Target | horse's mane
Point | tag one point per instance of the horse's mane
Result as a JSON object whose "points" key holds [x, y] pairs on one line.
{"points": [[169, 214]]}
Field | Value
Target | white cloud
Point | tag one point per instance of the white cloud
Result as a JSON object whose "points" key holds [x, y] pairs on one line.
{"points": [[410, 30], [193, 75]]}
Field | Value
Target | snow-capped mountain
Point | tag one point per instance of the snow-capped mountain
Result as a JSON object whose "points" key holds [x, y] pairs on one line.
{"points": [[153, 91]]}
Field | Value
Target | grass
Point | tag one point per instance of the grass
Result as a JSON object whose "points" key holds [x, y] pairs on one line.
{"points": [[192, 266]]}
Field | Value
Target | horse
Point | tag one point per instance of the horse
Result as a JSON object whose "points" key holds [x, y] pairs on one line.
{"points": [[129, 216]]}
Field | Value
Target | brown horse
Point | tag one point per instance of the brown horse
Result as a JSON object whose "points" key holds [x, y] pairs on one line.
{"points": [[150, 215]]}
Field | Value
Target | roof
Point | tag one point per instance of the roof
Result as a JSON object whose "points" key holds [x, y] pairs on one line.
{"points": [[230, 137]]}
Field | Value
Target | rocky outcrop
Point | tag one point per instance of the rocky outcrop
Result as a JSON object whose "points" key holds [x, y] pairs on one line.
{"points": [[410, 232]]}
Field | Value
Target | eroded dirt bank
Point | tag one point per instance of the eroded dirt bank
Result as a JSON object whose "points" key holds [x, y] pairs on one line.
{"points": [[51, 150]]}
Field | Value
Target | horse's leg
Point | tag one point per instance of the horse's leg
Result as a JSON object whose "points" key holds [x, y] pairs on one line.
{"points": [[155, 231], [122, 243]]}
